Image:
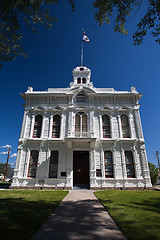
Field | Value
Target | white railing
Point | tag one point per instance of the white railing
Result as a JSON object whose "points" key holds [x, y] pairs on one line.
{"points": [[81, 134]]}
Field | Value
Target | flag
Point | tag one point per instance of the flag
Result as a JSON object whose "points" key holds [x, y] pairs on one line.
{"points": [[85, 38]]}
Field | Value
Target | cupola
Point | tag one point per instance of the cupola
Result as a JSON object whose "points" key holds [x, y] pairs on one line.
{"points": [[81, 75]]}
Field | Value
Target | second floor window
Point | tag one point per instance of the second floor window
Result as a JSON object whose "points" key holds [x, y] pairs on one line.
{"points": [[106, 126], [37, 126], [56, 126], [81, 123], [125, 126]]}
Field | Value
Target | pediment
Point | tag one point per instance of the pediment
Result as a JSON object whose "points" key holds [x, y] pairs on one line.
{"points": [[77, 89]]}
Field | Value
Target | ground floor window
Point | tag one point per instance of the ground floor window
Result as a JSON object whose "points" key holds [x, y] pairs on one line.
{"points": [[33, 163], [108, 161], [129, 164], [53, 167]]}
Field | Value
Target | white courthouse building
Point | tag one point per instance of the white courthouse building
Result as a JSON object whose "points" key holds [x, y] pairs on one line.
{"points": [[81, 135]]}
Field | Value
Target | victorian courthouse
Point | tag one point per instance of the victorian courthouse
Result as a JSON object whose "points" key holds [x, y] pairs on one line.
{"points": [[81, 136]]}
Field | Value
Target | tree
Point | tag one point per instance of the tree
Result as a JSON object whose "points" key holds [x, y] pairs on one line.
{"points": [[12, 13], [3, 168], [33, 12], [151, 20], [154, 173]]}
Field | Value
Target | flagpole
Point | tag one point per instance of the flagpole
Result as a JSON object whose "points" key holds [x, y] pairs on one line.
{"points": [[82, 54]]}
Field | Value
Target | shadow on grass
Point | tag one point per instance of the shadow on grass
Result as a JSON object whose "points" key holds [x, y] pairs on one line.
{"points": [[151, 204], [19, 218], [139, 220]]}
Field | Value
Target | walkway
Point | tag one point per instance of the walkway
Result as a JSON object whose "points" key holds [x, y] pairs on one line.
{"points": [[80, 216]]}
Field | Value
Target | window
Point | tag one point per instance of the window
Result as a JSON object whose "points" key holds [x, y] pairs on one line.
{"points": [[33, 164], [125, 126], [56, 126], [106, 126], [83, 80], [81, 124], [79, 80], [37, 126], [53, 167], [129, 164], [108, 164]]}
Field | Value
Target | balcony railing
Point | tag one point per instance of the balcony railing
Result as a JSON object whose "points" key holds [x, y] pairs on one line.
{"points": [[81, 134]]}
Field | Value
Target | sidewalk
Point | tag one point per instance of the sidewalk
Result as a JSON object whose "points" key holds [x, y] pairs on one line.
{"points": [[79, 216]]}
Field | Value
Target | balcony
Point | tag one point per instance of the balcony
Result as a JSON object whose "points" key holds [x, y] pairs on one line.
{"points": [[80, 135]]}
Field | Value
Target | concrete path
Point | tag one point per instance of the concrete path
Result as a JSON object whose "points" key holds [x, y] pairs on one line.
{"points": [[79, 216]]}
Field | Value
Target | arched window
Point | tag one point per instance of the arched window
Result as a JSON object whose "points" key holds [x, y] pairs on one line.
{"points": [[56, 126], [33, 164], [129, 164], [125, 126], [53, 167], [81, 124], [79, 80], [108, 161], [83, 80], [106, 126], [37, 126]]}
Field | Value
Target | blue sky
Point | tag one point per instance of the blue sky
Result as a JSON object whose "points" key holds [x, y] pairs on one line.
{"points": [[112, 57]]}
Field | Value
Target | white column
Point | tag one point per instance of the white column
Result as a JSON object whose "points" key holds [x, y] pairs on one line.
{"points": [[43, 125], [48, 154], [17, 166], [92, 169], [38, 173], [24, 124], [69, 178], [114, 163], [130, 124], [119, 126], [138, 124], [111, 126], [26, 163], [146, 173], [91, 123], [62, 125], [100, 127], [124, 173], [135, 162], [50, 125], [70, 123], [32, 126], [102, 164]]}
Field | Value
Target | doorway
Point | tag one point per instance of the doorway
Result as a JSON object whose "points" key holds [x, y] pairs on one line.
{"points": [[81, 168]]}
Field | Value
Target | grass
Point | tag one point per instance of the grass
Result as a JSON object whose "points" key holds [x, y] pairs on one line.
{"points": [[137, 213], [23, 212]]}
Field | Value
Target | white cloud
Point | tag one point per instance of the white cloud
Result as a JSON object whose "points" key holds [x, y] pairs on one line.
{"points": [[6, 146], [14, 155], [3, 152], [12, 163]]}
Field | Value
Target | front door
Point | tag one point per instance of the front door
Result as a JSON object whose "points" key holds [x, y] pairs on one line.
{"points": [[80, 167]]}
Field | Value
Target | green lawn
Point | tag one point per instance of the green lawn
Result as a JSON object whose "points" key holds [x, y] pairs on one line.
{"points": [[137, 213], [23, 212]]}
